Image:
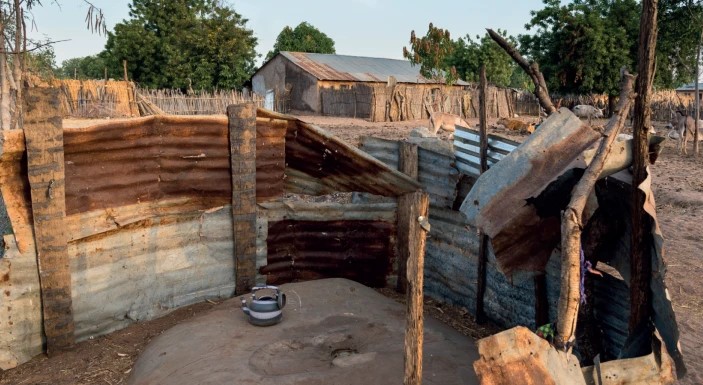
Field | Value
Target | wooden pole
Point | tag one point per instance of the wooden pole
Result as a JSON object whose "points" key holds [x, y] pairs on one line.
{"points": [[43, 135], [698, 96], [412, 211], [571, 222], [242, 141], [640, 258], [124, 68], [408, 164], [483, 245]]}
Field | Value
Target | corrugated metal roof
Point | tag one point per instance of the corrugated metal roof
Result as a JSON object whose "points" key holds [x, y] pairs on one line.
{"points": [[357, 68], [690, 87]]}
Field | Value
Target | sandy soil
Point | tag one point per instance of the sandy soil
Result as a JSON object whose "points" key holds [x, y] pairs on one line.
{"points": [[678, 187]]}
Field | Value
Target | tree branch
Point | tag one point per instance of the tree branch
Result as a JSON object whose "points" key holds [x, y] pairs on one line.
{"points": [[571, 221], [38, 46], [532, 70]]}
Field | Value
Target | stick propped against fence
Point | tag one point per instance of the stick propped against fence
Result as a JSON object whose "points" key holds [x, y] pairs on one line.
{"points": [[571, 224]]}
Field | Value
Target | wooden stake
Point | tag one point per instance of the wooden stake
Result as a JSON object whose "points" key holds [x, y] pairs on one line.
{"points": [[242, 141], [124, 68], [408, 164], [571, 222], [640, 258], [412, 208], [483, 245], [43, 135]]}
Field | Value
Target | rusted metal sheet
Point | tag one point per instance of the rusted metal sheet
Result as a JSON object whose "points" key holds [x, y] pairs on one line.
{"points": [[358, 69], [507, 201], [270, 157], [334, 165], [304, 250]]}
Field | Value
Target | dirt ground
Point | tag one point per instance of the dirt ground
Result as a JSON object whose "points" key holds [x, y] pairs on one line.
{"points": [[678, 188]]}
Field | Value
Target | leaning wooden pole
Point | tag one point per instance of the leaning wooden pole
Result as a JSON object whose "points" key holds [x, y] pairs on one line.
{"points": [[483, 245], [242, 142], [640, 261], [532, 70], [572, 225], [412, 213]]}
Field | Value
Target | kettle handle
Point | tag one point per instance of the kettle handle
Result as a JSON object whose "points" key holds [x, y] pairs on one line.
{"points": [[281, 299]]}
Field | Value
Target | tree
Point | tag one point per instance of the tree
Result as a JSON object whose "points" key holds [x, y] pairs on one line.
{"points": [[201, 44], [87, 67], [303, 38], [582, 45], [470, 54], [433, 52], [17, 54]]}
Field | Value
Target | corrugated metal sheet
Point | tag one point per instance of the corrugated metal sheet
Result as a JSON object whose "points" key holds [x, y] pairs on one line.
{"points": [[323, 164], [436, 165], [320, 240], [149, 267], [467, 150], [303, 250], [358, 68]]}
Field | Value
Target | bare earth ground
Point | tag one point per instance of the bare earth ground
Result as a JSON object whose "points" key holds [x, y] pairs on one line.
{"points": [[678, 187]]}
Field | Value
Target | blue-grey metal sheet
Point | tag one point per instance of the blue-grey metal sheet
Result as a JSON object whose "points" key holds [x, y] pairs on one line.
{"points": [[467, 150]]}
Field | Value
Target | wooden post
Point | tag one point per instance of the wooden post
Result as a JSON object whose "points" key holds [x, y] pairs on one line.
{"points": [[412, 210], [124, 68], [43, 134], [640, 258], [483, 245], [408, 164], [242, 142]]}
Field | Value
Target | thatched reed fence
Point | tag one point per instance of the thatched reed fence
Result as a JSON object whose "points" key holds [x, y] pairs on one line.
{"points": [[175, 102], [97, 98]]}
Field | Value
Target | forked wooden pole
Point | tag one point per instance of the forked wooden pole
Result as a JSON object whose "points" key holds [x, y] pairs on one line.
{"points": [[483, 245]]}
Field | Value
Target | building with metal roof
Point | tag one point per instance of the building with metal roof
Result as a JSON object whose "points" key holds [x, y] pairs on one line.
{"points": [[336, 85]]}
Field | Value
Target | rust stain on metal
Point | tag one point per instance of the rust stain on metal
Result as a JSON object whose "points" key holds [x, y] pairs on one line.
{"points": [[304, 250]]}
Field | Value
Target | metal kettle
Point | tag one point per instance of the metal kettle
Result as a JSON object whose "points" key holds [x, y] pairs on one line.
{"points": [[265, 305]]}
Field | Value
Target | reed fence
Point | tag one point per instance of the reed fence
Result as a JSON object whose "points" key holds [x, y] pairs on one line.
{"points": [[175, 102]]}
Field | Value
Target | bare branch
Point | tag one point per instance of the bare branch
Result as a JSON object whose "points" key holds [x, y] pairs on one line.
{"points": [[532, 70]]}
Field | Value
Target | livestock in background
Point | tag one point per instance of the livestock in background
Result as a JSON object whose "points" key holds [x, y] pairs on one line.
{"points": [[445, 121], [586, 111], [517, 125], [682, 127]]}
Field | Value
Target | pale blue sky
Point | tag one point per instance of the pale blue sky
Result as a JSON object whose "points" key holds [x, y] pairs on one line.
{"points": [[377, 28]]}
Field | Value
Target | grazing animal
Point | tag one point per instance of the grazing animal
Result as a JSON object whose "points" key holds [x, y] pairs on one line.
{"points": [[517, 125], [683, 126], [445, 121], [586, 111]]}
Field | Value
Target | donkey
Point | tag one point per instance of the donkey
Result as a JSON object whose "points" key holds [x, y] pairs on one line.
{"points": [[683, 126]]}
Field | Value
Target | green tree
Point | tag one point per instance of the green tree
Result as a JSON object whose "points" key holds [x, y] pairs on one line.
{"points": [[501, 70], [680, 24], [87, 67], [303, 38], [434, 53], [582, 45], [201, 44]]}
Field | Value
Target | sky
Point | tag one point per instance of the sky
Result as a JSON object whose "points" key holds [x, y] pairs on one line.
{"points": [[375, 28]]}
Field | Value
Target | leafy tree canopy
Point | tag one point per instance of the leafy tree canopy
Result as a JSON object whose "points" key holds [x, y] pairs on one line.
{"points": [[582, 45], [433, 53], [88, 67], [501, 70], [202, 44], [303, 38]]}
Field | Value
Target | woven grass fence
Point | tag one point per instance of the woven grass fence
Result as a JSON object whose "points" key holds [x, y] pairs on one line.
{"points": [[97, 98], [175, 102]]}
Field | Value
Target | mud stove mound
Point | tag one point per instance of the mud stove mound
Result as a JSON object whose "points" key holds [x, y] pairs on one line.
{"points": [[334, 331]]}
